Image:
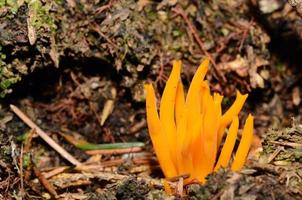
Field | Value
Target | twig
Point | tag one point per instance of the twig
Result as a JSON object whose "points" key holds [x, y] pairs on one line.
{"points": [[270, 168], [114, 151], [176, 178], [216, 196], [178, 10], [98, 167], [55, 171], [96, 28], [111, 163], [180, 186], [44, 136], [273, 155], [289, 144], [141, 161], [161, 77], [138, 126], [45, 183], [21, 172]]}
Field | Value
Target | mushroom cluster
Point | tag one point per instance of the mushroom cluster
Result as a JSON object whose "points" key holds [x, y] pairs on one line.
{"points": [[188, 131]]}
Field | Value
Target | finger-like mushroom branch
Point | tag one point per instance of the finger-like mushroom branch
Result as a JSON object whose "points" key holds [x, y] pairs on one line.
{"points": [[188, 131]]}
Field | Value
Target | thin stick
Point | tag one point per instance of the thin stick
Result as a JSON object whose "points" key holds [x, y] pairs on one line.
{"points": [[114, 151], [273, 155], [94, 167], [44, 136], [54, 172], [180, 186], [111, 163], [21, 173], [289, 144], [176, 178], [45, 183], [138, 126]]}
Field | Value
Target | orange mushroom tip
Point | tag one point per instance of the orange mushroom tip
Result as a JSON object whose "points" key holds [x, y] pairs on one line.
{"points": [[188, 131]]}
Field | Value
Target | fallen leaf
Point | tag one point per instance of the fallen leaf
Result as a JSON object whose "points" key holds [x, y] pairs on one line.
{"points": [[108, 107], [296, 96], [239, 65]]}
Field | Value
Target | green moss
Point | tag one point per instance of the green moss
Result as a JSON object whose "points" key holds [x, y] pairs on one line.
{"points": [[7, 77], [13, 5], [26, 160], [39, 15], [5, 86], [7, 83]]}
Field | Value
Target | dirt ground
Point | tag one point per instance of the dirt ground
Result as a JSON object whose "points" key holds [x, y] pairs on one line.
{"points": [[77, 70]]}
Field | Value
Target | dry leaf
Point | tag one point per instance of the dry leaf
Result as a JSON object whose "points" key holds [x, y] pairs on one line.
{"points": [[108, 107], [255, 79], [258, 81], [296, 96], [239, 65], [264, 74]]}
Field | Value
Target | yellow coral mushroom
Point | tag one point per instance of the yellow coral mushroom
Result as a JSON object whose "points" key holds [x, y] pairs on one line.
{"points": [[187, 133]]}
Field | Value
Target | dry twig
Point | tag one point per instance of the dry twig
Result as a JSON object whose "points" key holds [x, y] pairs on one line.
{"points": [[44, 136], [45, 183], [176, 178], [273, 155], [55, 171], [138, 126], [21, 172], [114, 151], [180, 186], [289, 144]]}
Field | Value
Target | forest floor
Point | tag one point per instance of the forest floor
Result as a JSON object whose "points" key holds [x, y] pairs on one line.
{"points": [[77, 70]]}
